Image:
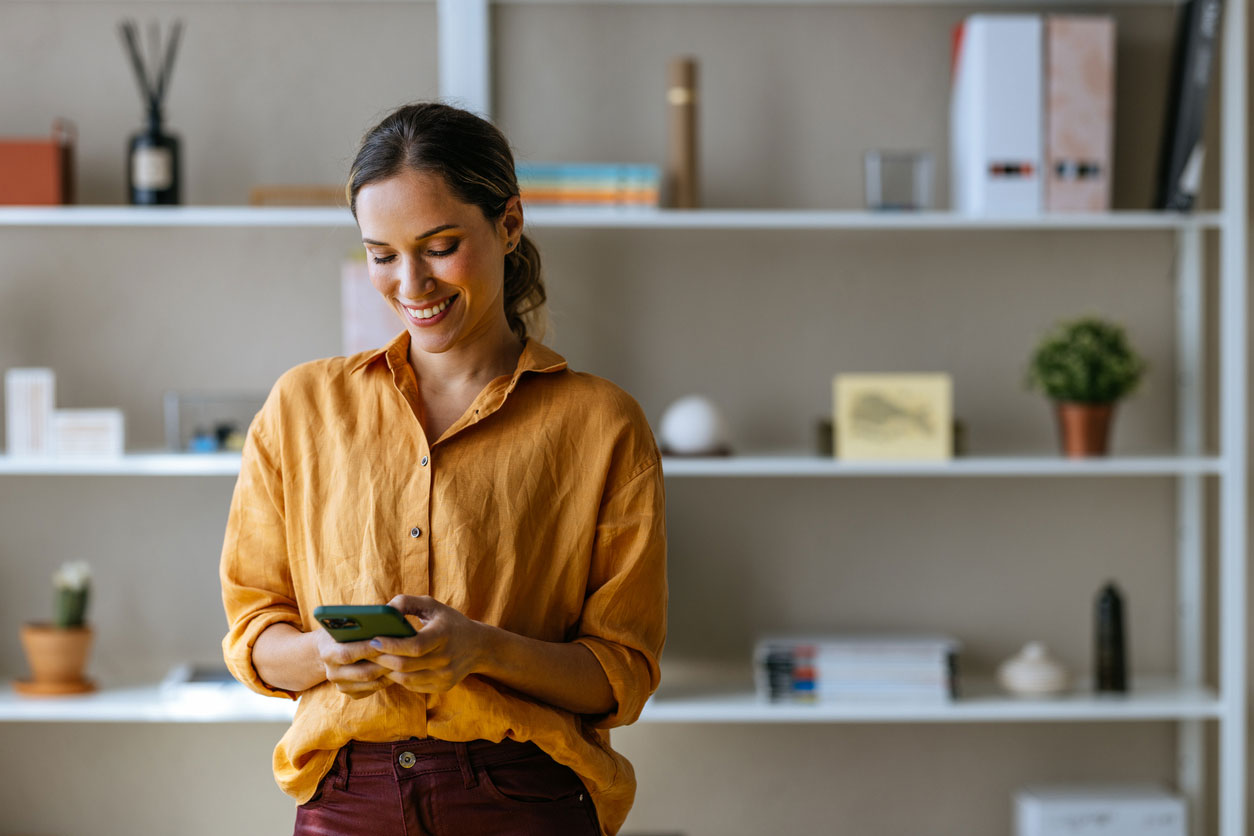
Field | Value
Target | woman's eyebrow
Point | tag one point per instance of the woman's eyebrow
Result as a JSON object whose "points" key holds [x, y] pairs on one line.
{"points": [[437, 230]]}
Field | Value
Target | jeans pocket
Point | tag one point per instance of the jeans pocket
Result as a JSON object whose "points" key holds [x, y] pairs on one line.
{"points": [[325, 786], [533, 780]]}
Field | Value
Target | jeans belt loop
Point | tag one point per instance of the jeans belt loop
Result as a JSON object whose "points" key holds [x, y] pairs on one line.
{"points": [[463, 760], [342, 767]]}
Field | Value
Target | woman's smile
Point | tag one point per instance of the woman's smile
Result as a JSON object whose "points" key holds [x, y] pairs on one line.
{"points": [[427, 316]]}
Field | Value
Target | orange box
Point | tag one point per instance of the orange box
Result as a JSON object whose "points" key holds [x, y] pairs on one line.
{"points": [[38, 172]]}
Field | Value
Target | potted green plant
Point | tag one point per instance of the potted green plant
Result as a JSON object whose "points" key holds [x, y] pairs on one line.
{"points": [[1085, 366], [57, 651]]}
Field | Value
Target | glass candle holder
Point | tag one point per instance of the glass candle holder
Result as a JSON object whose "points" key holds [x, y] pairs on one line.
{"points": [[898, 181]]}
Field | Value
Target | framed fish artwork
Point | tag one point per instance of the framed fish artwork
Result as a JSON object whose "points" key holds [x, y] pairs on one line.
{"points": [[893, 417]]}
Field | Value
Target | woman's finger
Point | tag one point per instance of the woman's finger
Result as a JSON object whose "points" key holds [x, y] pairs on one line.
{"points": [[413, 646], [347, 653], [423, 606], [356, 673], [410, 664]]}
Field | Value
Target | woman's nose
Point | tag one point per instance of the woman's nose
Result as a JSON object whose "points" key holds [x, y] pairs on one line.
{"points": [[417, 281]]}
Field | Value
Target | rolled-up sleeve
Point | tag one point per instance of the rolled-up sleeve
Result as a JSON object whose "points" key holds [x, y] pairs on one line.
{"points": [[256, 578], [624, 617]]}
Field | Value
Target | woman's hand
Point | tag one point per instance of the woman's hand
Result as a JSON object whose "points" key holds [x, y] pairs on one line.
{"points": [[349, 666], [447, 649]]}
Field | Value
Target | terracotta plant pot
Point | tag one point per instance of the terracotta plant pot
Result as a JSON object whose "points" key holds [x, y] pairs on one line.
{"points": [[57, 657], [1084, 428]]}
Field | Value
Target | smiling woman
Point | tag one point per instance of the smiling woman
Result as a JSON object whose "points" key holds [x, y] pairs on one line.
{"points": [[511, 507]]}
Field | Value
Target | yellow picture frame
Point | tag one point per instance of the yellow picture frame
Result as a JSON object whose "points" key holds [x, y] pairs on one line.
{"points": [[893, 417]]}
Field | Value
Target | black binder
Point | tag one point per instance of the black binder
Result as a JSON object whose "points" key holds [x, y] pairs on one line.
{"points": [[1180, 167]]}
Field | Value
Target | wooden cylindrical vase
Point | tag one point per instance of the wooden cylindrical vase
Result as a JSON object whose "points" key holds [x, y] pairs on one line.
{"points": [[1084, 428], [57, 657], [681, 107]]}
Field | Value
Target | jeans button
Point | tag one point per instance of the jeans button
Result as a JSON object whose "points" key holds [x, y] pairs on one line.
{"points": [[407, 759]]}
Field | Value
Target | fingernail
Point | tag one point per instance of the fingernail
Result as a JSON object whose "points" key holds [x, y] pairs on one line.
{"points": [[375, 643]]}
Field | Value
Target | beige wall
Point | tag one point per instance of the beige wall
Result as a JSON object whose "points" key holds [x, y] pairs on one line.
{"points": [[758, 321]]}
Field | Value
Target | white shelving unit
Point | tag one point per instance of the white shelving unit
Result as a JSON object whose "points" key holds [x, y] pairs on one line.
{"points": [[1228, 708], [1181, 696]]}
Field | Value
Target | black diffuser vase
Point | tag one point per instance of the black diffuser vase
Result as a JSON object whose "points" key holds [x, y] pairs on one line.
{"points": [[153, 164]]}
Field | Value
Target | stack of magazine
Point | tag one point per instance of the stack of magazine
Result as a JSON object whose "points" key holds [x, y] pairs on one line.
{"points": [[590, 184], [856, 668]]}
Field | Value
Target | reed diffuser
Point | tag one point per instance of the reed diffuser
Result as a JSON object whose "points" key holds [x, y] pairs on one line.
{"points": [[152, 161]]}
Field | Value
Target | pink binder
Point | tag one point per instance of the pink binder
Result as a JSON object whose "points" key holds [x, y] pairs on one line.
{"points": [[1079, 112]]}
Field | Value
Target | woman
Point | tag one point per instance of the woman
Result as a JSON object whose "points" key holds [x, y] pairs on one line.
{"points": [[464, 474]]}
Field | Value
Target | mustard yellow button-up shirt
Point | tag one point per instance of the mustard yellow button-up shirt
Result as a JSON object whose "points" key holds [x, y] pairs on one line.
{"points": [[540, 511]]}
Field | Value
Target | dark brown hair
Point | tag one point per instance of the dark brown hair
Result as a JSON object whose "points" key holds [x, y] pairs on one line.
{"points": [[475, 160]]}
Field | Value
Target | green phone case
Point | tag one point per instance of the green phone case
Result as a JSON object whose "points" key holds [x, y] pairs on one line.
{"points": [[355, 624]]}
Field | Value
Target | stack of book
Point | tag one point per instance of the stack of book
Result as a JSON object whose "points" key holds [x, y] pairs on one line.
{"points": [[856, 668], [590, 184]]}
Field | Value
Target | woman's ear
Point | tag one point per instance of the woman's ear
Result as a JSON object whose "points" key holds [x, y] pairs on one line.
{"points": [[510, 223]]}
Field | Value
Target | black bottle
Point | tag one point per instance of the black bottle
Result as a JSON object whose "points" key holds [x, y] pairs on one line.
{"points": [[152, 165], [1110, 673]]}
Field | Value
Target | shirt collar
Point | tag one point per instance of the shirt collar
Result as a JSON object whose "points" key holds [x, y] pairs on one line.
{"points": [[536, 357], [398, 347]]}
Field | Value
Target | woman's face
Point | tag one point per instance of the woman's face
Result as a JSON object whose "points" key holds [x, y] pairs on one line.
{"points": [[438, 262]]}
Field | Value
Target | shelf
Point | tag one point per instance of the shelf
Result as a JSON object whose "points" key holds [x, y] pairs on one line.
{"points": [[991, 5], [856, 220], [1006, 466], [1152, 699], [163, 216], [146, 704], [135, 464], [1156, 699], [761, 465], [610, 218]]}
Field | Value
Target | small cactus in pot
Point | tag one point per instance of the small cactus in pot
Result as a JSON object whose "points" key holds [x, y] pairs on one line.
{"points": [[57, 651]]}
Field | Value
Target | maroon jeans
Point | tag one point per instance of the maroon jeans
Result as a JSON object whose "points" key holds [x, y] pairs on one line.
{"points": [[433, 788]]}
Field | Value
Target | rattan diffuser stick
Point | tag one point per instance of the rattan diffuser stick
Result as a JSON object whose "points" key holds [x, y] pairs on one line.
{"points": [[154, 81]]}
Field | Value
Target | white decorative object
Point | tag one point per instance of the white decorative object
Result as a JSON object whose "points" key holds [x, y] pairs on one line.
{"points": [[1033, 673], [88, 433], [29, 398], [1100, 810], [692, 426]]}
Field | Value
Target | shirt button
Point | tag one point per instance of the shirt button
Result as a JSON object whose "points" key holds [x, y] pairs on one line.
{"points": [[424, 461], [415, 532], [407, 759]]}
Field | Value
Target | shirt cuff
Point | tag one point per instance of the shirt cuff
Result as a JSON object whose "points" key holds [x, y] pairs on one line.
{"points": [[628, 671], [237, 650]]}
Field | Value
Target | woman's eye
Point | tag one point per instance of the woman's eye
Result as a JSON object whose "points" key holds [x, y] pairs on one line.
{"points": [[452, 248], [383, 259]]}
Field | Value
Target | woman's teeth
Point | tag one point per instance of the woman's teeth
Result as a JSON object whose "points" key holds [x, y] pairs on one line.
{"points": [[427, 313]]}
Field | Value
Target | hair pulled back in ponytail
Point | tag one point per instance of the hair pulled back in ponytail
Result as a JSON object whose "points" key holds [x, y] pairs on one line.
{"points": [[475, 160]]}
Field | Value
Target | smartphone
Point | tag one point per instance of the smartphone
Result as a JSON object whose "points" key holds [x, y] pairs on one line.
{"points": [[356, 624]]}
